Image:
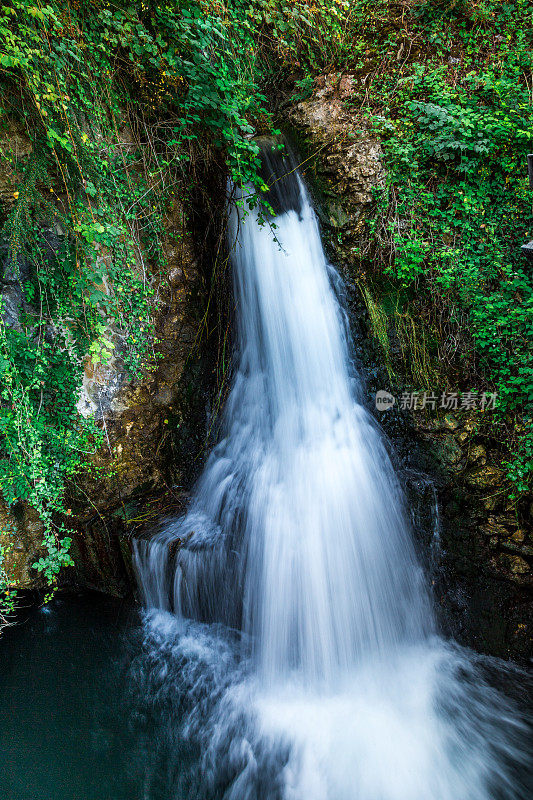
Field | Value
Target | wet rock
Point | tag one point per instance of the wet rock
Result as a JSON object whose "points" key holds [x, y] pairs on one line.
{"points": [[21, 540], [494, 527], [469, 423], [450, 454], [164, 397], [135, 413], [511, 546], [518, 565], [477, 455], [490, 503], [486, 477], [450, 422], [15, 147], [518, 536]]}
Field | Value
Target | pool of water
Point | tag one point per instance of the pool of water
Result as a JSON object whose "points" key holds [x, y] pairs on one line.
{"points": [[98, 704], [65, 723]]}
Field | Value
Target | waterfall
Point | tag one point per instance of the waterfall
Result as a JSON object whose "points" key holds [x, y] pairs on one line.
{"points": [[294, 566]]}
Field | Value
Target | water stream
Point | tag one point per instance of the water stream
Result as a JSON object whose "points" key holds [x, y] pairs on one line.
{"points": [[290, 644]]}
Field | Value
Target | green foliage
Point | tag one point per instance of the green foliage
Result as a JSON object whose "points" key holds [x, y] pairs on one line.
{"points": [[447, 88], [118, 102], [457, 164], [121, 102], [7, 593], [317, 36]]}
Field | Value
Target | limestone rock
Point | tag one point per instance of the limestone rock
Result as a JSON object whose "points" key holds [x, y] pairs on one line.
{"points": [[346, 160], [477, 455], [21, 536], [450, 422], [134, 414], [485, 477], [518, 565]]}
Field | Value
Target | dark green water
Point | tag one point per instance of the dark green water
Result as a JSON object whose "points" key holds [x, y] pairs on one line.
{"points": [[97, 705], [65, 728]]}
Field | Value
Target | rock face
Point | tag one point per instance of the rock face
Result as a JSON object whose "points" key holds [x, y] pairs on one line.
{"points": [[21, 535], [135, 415], [345, 162], [139, 419], [482, 566], [132, 477], [14, 148], [485, 582]]}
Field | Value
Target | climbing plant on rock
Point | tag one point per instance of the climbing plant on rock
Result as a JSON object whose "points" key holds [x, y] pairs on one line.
{"points": [[118, 102]]}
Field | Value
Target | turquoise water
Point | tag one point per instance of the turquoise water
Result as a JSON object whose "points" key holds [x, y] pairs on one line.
{"points": [[97, 704], [64, 723]]}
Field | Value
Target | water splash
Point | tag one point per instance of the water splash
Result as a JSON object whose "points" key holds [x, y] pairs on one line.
{"points": [[297, 547]]}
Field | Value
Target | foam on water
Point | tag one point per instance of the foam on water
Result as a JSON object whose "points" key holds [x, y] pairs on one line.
{"points": [[296, 557]]}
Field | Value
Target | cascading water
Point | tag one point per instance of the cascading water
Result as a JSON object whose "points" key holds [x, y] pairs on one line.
{"points": [[302, 632]]}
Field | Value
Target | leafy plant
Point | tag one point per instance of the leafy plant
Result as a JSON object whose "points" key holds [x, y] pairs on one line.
{"points": [[119, 104]]}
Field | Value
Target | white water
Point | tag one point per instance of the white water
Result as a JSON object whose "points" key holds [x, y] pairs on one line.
{"points": [[296, 537]]}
